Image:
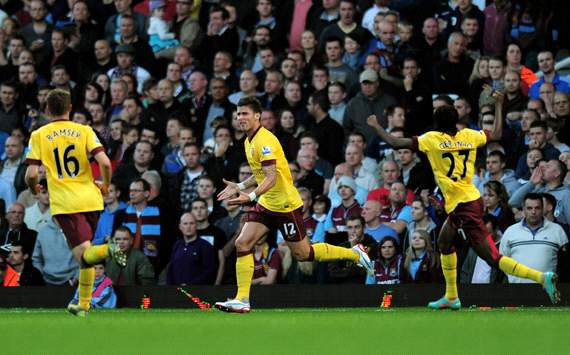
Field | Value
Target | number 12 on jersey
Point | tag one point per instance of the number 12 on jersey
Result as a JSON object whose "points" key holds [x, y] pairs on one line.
{"points": [[451, 173]]}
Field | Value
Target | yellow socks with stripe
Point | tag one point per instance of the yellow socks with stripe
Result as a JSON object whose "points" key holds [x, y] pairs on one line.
{"points": [[86, 279], [449, 268], [517, 269], [96, 253], [328, 252], [244, 274]]}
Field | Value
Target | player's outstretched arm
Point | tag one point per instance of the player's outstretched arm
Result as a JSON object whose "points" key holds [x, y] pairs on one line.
{"points": [[497, 132], [233, 188], [270, 172], [105, 168], [32, 178], [395, 142]]}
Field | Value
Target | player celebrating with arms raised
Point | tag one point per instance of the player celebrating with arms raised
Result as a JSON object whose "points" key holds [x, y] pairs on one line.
{"points": [[278, 207], [63, 148], [452, 154]]}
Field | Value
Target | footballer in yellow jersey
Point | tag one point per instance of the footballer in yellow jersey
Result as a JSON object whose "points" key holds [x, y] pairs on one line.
{"points": [[264, 149], [64, 148], [451, 153], [279, 206]]}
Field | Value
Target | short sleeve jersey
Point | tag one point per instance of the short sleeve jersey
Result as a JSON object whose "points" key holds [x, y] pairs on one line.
{"points": [[63, 148], [264, 149], [452, 159]]}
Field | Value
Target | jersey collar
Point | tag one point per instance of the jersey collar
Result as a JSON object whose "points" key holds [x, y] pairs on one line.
{"points": [[254, 133]]}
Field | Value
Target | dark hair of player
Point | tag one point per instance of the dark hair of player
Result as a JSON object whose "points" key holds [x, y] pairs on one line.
{"points": [[58, 102], [445, 119], [251, 102]]}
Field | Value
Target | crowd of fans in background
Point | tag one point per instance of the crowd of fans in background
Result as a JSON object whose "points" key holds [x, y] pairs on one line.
{"points": [[159, 80]]}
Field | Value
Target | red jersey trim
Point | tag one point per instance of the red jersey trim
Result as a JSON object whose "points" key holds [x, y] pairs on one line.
{"points": [[33, 162], [254, 133], [415, 143], [487, 134], [97, 150], [269, 162]]}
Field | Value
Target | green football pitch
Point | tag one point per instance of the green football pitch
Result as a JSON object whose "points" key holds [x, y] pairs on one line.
{"points": [[288, 331]]}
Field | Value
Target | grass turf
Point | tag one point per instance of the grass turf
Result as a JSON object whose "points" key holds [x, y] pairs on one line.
{"points": [[287, 331]]}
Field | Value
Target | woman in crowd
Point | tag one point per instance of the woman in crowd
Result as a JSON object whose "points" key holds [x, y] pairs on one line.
{"points": [[496, 202], [422, 263]]}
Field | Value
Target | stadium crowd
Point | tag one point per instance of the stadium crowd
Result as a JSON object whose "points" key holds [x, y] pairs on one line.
{"points": [[159, 80]]}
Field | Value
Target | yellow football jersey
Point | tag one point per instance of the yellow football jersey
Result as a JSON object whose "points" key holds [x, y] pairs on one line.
{"points": [[263, 148], [452, 159], [63, 148]]}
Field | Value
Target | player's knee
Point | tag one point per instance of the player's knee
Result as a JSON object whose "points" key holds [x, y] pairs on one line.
{"points": [[242, 245]]}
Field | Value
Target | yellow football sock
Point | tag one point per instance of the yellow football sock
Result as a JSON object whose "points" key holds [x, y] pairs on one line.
{"points": [[517, 269], [96, 253], [449, 268], [86, 279], [244, 274], [327, 252]]}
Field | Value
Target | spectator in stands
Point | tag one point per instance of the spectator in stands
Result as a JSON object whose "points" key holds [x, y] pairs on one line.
{"points": [[193, 259], [547, 178], [549, 75], [336, 95], [496, 171], [23, 271], [416, 176], [373, 225], [13, 168], [476, 270], [397, 215], [219, 35], [60, 54], [10, 113], [389, 174], [143, 220], [126, 173], [347, 271], [106, 223], [113, 24], [389, 265], [16, 230], [266, 263], [417, 97], [273, 87], [138, 271], [336, 223], [39, 214], [322, 167], [186, 181], [103, 295], [515, 101], [210, 233], [308, 177], [52, 257], [354, 156], [369, 164], [370, 100], [514, 59], [337, 69], [37, 33], [472, 32], [421, 261], [174, 162], [247, 84], [451, 74], [327, 132], [537, 135], [322, 15], [125, 54], [495, 200], [421, 220], [534, 241]]}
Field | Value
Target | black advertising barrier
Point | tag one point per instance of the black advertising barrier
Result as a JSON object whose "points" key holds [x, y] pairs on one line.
{"points": [[289, 296]]}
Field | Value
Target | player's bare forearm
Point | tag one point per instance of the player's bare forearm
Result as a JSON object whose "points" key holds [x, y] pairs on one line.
{"points": [[497, 132], [32, 177], [221, 267], [395, 142], [270, 172], [104, 166], [249, 182]]}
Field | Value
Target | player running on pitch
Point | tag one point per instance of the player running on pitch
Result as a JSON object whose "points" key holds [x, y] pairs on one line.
{"points": [[63, 148], [278, 207], [452, 154]]}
